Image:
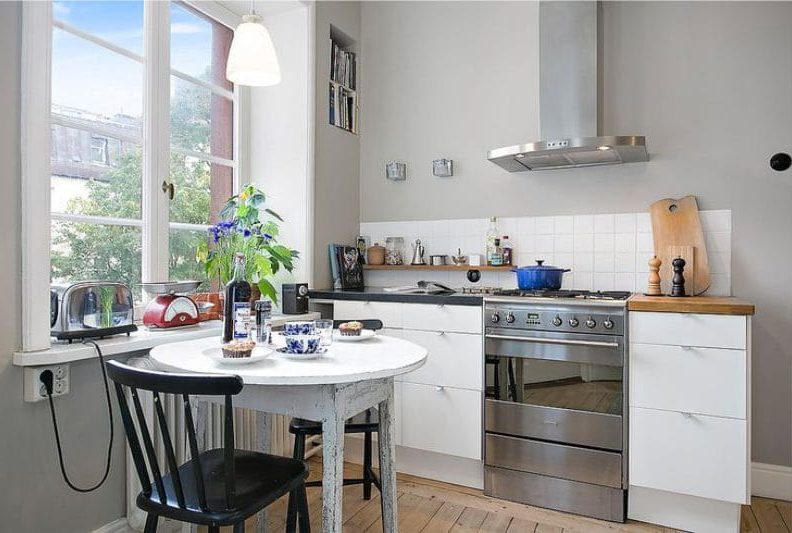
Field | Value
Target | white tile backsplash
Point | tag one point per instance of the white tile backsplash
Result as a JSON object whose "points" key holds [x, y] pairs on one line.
{"points": [[604, 251]]}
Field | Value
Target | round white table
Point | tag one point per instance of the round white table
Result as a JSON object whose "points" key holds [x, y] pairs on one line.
{"points": [[350, 378]]}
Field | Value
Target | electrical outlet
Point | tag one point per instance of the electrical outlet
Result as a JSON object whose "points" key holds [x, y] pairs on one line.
{"points": [[34, 389]]}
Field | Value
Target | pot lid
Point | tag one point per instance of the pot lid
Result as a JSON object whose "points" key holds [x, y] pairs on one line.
{"points": [[540, 266]]}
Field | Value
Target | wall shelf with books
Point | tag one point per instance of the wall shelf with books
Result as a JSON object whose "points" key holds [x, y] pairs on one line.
{"points": [[342, 89]]}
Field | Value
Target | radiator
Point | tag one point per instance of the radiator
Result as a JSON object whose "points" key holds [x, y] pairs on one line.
{"points": [[244, 438]]}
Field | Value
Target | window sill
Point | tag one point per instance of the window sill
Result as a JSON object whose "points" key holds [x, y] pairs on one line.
{"points": [[142, 339]]}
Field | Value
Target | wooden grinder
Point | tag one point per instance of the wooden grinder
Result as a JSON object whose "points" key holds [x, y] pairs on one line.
{"points": [[653, 288]]}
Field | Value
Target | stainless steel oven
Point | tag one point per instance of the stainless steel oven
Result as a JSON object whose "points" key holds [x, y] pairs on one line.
{"points": [[554, 418]]}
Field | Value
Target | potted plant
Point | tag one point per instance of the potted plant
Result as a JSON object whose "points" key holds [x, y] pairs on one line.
{"points": [[248, 227]]}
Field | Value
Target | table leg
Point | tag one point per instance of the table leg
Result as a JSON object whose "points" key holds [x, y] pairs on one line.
{"points": [[333, 470], [263, 444], [387, 454]]}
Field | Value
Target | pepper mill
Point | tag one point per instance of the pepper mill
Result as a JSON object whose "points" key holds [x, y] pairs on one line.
{"points": [[678, 281], [653, 288]]}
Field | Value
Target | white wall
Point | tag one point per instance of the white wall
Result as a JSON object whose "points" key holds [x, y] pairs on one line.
{"points": [[708, 83], [280, 135]]}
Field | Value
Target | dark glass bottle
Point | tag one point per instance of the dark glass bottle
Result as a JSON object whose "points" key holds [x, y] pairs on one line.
{"points": [[236, 317]]}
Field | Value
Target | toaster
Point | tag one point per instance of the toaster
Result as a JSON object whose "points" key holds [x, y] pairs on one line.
{"points": [[91, 309]]}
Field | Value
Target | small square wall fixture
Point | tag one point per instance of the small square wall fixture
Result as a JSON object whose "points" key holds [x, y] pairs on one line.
{"points": [[396, 171], [443, 168]]}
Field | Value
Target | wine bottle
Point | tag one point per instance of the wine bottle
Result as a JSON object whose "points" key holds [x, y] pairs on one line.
{"points": [[236, 319]]}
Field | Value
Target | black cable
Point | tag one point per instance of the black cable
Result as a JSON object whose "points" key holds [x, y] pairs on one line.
{"points": [[48, 387]]}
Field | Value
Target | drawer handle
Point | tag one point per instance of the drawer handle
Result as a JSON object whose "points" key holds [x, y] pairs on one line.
{"points": [[551, 422], [687, 415], [687, 348], [439, 388], [440, 333]]}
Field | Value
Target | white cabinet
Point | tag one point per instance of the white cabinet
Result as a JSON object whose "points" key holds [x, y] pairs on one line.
{"points": [[442, 419], [689, 454], [689, 396], [438, 405], [454, 359]]}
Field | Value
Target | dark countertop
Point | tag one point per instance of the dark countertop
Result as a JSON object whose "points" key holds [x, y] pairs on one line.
{"points": [[375, 294]]}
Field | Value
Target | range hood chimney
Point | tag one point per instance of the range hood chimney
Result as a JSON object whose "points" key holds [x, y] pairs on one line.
{"points": [[568, 98]]}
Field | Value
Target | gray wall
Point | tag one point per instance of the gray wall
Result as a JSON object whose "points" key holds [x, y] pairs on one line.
{"points": [[709, 84], [35, 499], [336, 152]]}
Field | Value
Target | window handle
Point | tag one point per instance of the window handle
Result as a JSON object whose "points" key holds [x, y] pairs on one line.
{"points": [[169, 189]]}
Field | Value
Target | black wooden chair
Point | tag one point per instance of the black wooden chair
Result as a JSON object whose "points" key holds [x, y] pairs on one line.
{"points": [[366, 422], [220, 487]]}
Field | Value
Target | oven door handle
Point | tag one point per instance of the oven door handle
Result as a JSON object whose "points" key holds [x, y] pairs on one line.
{"points": [[554, 341]]}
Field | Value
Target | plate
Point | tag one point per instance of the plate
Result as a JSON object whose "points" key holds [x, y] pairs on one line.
{"points": [[302, 356], [364, 335], [259, 354]]}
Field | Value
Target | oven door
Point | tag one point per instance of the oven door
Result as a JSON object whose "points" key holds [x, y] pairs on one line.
{"points": [[555, 387]]}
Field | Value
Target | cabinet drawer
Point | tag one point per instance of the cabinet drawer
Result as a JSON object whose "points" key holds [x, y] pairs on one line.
{"points": [[390, 313], [456, 318], [455, 359], [710, 381], [688, 329], [696, 455], [441, 419]]}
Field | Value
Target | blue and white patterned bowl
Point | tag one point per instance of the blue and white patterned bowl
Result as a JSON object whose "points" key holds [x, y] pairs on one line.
{"points": [[302, 344], [299, 328]]}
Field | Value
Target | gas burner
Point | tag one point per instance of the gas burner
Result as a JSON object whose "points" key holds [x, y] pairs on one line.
{"points": [[565, 294], [481, 290]]}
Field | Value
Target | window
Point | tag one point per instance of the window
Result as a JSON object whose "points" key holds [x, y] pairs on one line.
{"points": [[111, 215]]}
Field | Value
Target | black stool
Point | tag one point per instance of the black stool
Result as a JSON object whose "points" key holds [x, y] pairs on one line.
{"points": [[366, 422], [220, 487]]}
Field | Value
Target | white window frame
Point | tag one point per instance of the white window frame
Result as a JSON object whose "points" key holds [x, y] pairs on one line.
{"points": [[37, 25]]}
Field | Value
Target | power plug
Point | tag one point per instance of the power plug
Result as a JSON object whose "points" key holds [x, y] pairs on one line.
{"points": [[36, 376]]}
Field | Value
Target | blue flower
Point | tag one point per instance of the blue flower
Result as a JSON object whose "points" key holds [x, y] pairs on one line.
{"points": [[246, 232]]}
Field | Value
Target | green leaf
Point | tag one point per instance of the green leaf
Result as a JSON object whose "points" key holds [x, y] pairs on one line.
{"points": [[268, 290], [274, 214]]}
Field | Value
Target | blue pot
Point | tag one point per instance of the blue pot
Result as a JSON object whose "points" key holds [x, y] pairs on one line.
{"points": [[539, 277]]}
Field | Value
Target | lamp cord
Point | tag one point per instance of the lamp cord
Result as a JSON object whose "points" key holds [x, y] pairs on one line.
{"points": [[110, 419]]}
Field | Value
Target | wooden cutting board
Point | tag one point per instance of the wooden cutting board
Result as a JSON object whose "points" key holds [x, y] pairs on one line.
{"points": [[677, 232]]}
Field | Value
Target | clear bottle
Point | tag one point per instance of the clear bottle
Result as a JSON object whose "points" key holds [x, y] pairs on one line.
{"points": [[492, 236], [263, 321], [496, 257], [236, 324], [508, 254]]}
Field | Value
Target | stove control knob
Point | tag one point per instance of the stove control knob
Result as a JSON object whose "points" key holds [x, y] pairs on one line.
{"points": [[557, 321], [591, 323], [608, 324], [574, 322], [510, 318], [495, 318]]}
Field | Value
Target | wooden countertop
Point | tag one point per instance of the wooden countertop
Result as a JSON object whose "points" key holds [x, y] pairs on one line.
{"points": [[712, 305]]}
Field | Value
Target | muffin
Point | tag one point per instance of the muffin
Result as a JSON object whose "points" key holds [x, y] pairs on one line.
{"points": [[350, 329], [238, 349]]}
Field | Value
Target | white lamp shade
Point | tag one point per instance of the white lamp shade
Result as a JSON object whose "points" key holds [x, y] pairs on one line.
{"points": [[252, 60]]}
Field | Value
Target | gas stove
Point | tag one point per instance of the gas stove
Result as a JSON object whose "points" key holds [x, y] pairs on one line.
{"points": [[565, 294]]}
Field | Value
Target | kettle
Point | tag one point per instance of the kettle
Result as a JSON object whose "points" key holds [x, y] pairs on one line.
{"points": [[418, 253]]}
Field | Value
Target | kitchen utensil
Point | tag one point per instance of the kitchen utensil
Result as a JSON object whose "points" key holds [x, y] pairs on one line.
{"points": [[459, 259], [437, 260], [653, 287], [677, 223], [678, 281], [376, 254], [259, 354], [169, 308], [90, 310], [394, 250], [364, 335], [418, 253], [539, 277], [320, 351]]}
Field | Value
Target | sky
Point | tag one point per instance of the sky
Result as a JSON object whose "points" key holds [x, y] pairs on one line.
{"points": [[89, 77]]}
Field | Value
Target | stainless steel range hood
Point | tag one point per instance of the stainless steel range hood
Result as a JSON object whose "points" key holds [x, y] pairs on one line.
{"points": [[568, 98]]}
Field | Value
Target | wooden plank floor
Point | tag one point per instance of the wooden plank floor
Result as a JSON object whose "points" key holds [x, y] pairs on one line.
{"points": [[435, 507]]}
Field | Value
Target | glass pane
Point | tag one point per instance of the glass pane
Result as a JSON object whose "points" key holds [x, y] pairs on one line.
{"points": [[199, 45], [92, 82], [183, 264], [120, 23], [201, 121], [201, 189], [82, 251], [94, 174]]}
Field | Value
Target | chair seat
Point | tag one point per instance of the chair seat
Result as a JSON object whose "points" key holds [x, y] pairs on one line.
{"points": [[365, 422], [260, 480]]}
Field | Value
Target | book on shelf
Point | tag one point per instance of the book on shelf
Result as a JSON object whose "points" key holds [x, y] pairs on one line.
{"points": [[343, 66]]}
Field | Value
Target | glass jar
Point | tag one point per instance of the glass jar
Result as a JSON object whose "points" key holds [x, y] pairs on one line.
{"points": [[394, 251]]}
